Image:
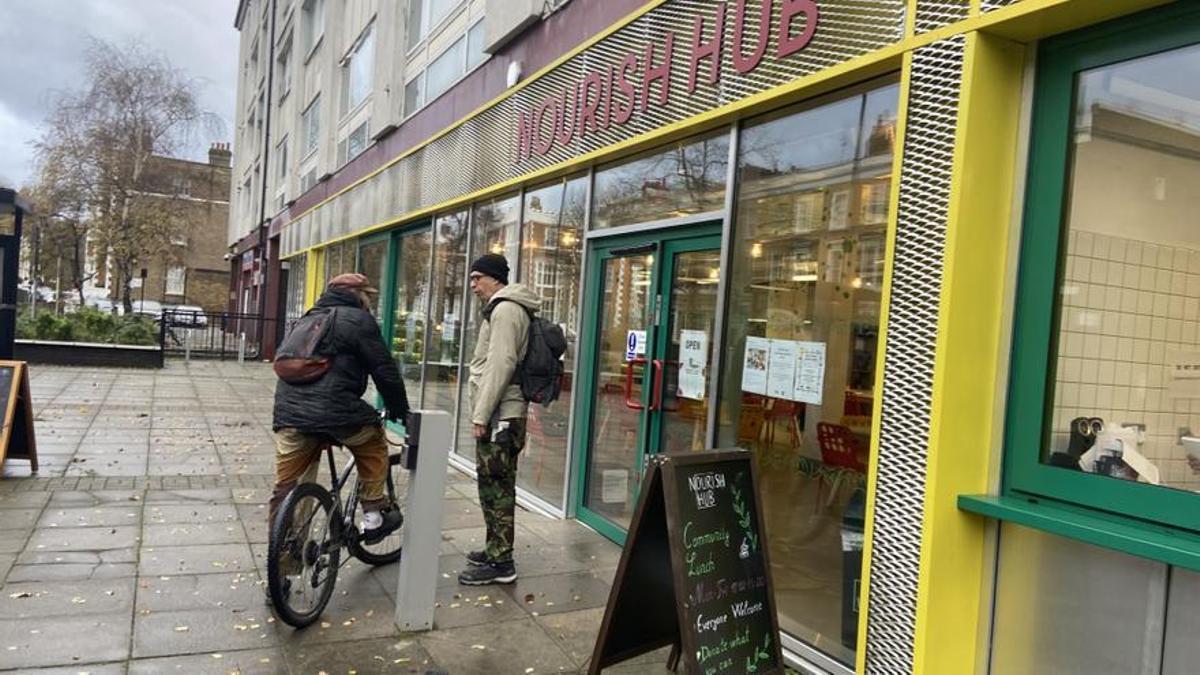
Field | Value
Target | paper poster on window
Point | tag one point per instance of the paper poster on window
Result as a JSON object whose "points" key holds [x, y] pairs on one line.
{"points": [[635, 344], [693, 354], [1183, 373], [810, 372], [781, 369], [754, 365]]}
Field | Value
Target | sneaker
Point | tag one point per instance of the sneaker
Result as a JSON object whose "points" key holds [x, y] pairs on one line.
{"points": [[379, 524], [491, 573], [478, 558]]}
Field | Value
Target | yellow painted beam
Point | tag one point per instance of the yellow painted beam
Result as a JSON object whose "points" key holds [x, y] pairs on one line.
{"points": [[314, 274], [968, 364], [880, 352]]}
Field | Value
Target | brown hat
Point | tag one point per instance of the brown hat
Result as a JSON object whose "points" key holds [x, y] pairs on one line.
{"points": [[353, 281]]}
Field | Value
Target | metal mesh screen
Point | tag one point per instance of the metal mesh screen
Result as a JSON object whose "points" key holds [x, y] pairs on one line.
{"points": [[989, 5], [482, 151], [932, 14], [909, 358]]}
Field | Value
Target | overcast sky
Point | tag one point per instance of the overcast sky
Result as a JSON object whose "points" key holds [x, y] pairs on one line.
{"points": [[43, 43]]}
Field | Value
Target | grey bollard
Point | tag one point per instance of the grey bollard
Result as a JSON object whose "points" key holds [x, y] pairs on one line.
{"points": [[426, 458]]}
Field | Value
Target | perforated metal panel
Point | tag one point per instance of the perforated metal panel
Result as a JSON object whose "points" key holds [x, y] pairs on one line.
{"points": [[989, 5], [909, 357], [483, 150], [933, 14]]}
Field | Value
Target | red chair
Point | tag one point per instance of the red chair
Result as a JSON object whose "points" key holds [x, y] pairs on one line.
{"points": [[843, 457]]}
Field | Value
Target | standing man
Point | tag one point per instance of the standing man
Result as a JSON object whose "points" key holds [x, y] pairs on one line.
{"points": [[498, 412], [332, 409]]}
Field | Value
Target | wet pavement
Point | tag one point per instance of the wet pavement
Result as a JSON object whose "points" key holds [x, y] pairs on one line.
{"points": [[140, 546]]}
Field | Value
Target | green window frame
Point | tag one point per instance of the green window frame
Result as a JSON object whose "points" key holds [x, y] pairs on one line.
{"points": [[1117, 503]]}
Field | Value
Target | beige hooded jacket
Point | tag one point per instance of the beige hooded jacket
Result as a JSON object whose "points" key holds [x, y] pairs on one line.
{"points": [[502, 342]]}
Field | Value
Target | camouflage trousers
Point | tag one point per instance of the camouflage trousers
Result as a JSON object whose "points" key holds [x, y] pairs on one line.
{"points": [[496, 464]]}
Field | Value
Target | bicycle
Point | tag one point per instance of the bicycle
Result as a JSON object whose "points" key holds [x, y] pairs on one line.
{"points": [[310, 530]]}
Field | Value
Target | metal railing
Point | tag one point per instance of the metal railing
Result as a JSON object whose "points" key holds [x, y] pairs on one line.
{"points": [[215, 335]]}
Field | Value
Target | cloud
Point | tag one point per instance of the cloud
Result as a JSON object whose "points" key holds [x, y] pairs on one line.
{"points": [[45, 41]]}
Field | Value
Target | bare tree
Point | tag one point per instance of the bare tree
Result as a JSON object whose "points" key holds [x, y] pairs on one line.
{"points": [[97, 149]]}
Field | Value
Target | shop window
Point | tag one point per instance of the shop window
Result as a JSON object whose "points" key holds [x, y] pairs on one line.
{"points": [[495, 228], [297, 275], [804, 313], [446, 313], [551, 258], [1104, 404], [411, 300], [685, 179], [372, 261]]}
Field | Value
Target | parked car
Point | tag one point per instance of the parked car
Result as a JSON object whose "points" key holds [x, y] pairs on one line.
{"points": [[188, 315], [105, 305], [148, 308]]}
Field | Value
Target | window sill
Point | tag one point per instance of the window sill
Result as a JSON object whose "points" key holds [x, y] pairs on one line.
{"points": [[1127, 535]]}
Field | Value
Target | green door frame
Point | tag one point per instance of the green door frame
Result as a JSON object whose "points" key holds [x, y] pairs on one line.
{"points": [[666, 245]]}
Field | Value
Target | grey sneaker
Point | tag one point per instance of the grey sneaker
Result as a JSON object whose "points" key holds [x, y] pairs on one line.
{"points": [[491, 573], [477, 558]]}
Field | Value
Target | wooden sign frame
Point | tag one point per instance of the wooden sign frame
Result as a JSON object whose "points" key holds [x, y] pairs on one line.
{"points": [[18, 418], [659, 495]]}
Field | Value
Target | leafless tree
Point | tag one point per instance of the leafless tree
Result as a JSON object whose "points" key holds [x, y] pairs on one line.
{"points": [[97, 148]]}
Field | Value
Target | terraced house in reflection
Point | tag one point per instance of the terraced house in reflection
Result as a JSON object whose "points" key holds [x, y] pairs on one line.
{"points": [[929, 261]]}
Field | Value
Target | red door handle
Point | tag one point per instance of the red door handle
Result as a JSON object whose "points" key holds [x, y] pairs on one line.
{"points": [[656, 394], [631, 402]]}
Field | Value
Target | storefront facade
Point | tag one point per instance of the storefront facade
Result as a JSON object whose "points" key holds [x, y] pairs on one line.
{"points": [[803, 227]]}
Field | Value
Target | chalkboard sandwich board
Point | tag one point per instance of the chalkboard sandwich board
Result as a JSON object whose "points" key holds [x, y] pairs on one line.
{"points": [[16, 437], [694, 573]]}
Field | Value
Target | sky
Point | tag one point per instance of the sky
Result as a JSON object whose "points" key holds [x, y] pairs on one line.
{"points": [[43, 52]]}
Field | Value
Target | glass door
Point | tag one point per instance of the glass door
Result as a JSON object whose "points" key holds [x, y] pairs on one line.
{"points": [[649, 340]]}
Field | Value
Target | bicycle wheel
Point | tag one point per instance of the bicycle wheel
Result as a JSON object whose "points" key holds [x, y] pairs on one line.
{"points": [[387, 550], [302, 559]]}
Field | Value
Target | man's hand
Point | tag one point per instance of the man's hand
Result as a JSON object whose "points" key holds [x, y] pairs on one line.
{"points": [[480, 431]]}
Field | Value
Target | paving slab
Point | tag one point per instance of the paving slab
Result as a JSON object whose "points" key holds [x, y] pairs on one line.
{"points": [[365, 657], [497, 649], [171, 633], [74, 598], [64, 641], [202, 559], [242, 662]]}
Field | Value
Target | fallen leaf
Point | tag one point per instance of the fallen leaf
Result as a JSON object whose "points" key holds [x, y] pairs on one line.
{"points": [[78, 600], [481, 647], [529, 670], [22, 594], [181, 629]]}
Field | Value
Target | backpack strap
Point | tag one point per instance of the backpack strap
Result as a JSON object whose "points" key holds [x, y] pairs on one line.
{"points": [[491, 306]]}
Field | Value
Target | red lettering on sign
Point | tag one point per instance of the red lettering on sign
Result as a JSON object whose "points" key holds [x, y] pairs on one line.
{"points": [[539, 116], [742, 62], [608, 87], [710, 51], [524, 134], [791, 9], [588, 106], [564, 128], [626, 87], [660, 73]]}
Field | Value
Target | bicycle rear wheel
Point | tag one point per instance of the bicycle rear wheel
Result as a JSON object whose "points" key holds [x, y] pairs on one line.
{"points": [[302, 559], [387, 550]]}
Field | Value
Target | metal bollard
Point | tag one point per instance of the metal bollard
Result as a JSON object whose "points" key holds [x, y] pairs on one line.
{"points": [[426, 457]]}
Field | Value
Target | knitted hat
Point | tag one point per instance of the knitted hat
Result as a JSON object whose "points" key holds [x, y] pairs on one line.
{"points": [[353, 281], [493, 265]]}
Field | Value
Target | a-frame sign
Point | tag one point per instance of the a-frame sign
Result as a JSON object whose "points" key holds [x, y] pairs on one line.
{"points": [[17, 440], [694, 573]]}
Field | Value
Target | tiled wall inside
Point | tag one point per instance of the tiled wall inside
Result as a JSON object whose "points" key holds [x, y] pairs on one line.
{"points": [[1125, 304]]}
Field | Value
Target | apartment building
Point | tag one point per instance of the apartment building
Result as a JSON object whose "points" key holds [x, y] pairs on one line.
{"points": [[327, 89]]}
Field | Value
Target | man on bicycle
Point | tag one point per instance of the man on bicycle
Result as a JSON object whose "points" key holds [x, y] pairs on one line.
{"points": [[331, 408]]}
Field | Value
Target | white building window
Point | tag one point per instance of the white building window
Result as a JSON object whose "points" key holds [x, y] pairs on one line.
{"points": [[284, 71], [414, 94], [310, 122], [475, 53], [314, 23], [353, 145], [358, 70], [281, 154], [308, 180], [176, 280], [445, 69], [424, 15]]}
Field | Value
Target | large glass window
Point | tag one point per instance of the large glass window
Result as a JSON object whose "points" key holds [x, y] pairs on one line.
{"points": [[297, 274], [339, 258], [801, 337], [551, 254], [314, 23], [685, 179], [1104, 409], [495, 229], [445, 69], [411, 298], [310, 123], [372, 261], [446, 312]]}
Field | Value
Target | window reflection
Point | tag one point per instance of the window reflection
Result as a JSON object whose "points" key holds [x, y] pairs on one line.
{"points": [[446, 311], [1126, 384], [551, 255], [495, 229], [411, 297], [807, 272], [685, 179]]}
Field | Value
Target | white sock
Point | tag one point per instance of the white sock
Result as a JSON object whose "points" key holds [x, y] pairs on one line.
{"points": [[371, 520]]}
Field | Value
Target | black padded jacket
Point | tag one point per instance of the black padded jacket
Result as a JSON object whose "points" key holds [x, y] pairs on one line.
{"points": [[335, 401]]}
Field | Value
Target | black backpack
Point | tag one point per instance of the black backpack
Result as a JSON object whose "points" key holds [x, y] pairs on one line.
{"points": [[540, 373], [303, 357]]}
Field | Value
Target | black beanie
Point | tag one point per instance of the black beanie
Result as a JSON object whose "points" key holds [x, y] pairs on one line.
{"points": [[493, 265]]}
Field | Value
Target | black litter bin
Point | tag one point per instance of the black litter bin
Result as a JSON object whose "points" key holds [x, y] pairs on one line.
{"points": [[852, 546]]}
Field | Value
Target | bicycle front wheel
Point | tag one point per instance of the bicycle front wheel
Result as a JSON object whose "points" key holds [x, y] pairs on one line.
{"points": [[387, 550], [302, 559]]}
